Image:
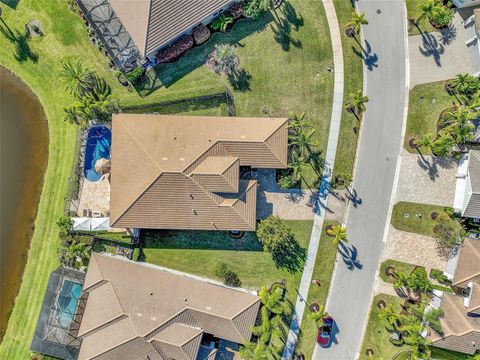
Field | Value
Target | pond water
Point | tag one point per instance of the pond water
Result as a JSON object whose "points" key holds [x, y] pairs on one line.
{"points": [[23, 159]]}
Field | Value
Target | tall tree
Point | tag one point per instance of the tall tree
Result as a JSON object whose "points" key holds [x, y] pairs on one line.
{"points": [[355, 24], [318, 316], [426, 9]]}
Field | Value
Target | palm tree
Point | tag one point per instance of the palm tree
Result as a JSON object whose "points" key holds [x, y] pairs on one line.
{"points": [[77, 77], [357, 20], [357, 102], [78, 252], [73, 115], [391, 315], [419, 282], [298, 167], [401, 282], [272, 300], [419, 345], [318, 316], [339, 233], [304, 141], [427, 141], [426, 10], [474, 357], [465, 84], [443, 146]]}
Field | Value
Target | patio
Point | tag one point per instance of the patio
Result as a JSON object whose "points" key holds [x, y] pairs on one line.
{"points": [[95, 198], [289, 204], [443, 54]]}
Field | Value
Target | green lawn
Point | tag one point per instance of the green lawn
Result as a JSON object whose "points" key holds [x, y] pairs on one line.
{"points": [[412, 13], [398, 265], [198, 253], [322, 271], [353, 67], [286, 59], [376, 336], [417, 224], [426, 102]]}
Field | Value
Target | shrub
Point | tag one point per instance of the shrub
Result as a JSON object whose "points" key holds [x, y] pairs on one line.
{"points": [[201, 34], [65, 226], [448, 232], [175, 50], [441, 16], [254, 8], [224, 59], [236, 10], [222, 22], [229, 277], [134, 75]]}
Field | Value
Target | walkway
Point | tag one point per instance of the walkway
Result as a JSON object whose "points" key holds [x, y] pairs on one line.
{"points": [[375, 172], [337, 108]]}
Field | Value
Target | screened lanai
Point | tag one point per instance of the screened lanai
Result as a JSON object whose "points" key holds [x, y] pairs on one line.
{"points": [[111, 32], [60, 316]]}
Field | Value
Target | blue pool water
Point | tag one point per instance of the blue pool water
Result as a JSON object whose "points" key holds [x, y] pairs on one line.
{"points": [[99, 141], [67, 301]]}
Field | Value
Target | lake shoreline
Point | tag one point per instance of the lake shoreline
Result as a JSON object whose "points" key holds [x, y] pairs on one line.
{"points": [[24, 159]]}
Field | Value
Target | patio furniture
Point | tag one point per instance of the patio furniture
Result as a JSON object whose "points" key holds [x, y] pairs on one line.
{"points": [[87, 213], [471, 41], [468, 21], [97, 214]]}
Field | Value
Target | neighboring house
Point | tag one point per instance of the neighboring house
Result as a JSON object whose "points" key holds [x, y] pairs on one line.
{"points": [[467, 191], [461, 321], [141, 311], [465, 3], [183, 172], [135, 29]]}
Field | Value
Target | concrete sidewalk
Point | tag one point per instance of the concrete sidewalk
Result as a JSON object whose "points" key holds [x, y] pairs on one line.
{"points": [[385, 61], [337, 109]]}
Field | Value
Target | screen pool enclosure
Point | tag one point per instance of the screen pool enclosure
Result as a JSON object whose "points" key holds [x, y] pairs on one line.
{"points": [[60, 316]]}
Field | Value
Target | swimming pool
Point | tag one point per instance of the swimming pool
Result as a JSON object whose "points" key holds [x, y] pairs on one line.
{"points": [[67, 302], [99, 141]]}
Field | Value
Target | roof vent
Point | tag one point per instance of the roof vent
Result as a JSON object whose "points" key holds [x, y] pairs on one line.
{"points": [[164, 158]]}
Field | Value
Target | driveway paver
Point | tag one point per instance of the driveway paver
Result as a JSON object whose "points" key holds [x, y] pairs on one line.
{"points": [[441, 55], [427, 180]]}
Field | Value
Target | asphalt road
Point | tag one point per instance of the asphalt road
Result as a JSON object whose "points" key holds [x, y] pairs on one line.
{"points": [[380, 145]]}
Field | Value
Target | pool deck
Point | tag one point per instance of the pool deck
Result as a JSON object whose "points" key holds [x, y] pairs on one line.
{"points": [[95, 196]]}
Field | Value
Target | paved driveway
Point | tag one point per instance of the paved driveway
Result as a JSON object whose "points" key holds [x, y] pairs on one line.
{"points": [[426, 180], [380, 144], [441, 55]]}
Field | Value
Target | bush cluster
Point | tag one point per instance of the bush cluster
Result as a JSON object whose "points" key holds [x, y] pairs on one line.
{"points": [[175, 50], [237, 10], [135, 75], [229, 277], [201, 34]]}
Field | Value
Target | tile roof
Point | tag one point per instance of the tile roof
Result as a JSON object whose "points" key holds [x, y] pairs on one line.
{"points": [[136, 308], [468, 266], [460, 331], [154, 23], [182, 172]]}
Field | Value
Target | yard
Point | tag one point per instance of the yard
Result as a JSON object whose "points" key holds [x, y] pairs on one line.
{"points": [[426, 102], [322, 271], [415, 218], [199, 252], [353, 67], [377, 337], [412, 13], [286, 78]]}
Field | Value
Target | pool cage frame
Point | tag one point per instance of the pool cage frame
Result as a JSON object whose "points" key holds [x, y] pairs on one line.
{"points": [[51, 337]]}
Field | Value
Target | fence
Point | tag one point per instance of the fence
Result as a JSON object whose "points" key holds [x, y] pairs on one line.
{"points": [[75, 180]]}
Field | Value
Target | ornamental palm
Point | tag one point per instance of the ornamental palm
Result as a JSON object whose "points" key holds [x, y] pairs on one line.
{"points": [[272, 300], [356, 22], [357, 102], [426, 9], [427, 141], [419, 282], [443, 146], [465, 84], [73, 114], [304, 141], [391, 315], [339, 233], [401, 282], [77, 77], [318, 316], [298, 167]]}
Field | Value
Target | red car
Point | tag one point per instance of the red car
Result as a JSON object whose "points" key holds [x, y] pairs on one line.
{"points": [[324, 336]]}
